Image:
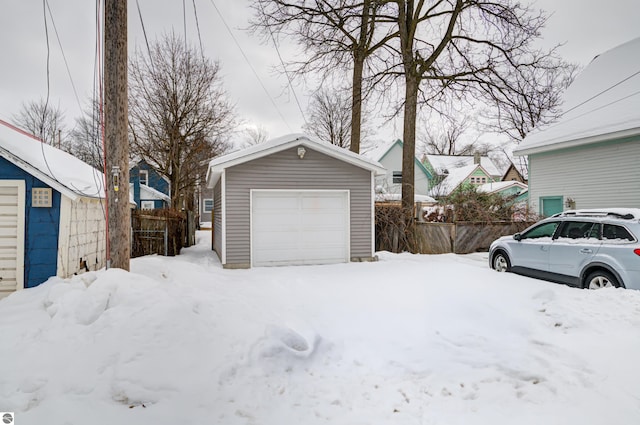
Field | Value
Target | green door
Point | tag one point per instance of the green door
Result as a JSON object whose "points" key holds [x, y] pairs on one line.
{"points": [[550, 205]]}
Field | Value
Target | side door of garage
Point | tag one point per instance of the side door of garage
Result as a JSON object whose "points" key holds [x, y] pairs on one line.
{"points": [[12, 207], [290, 227]]}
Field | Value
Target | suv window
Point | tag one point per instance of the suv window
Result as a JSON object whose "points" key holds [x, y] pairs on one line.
{"points": [[579, 230], [545, 230], [613, 232]]}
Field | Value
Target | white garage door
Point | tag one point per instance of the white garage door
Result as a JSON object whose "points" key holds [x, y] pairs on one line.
{"points": [[299, 227], [11, 236]]}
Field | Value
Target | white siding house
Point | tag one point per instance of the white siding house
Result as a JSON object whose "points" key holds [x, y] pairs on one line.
{"points": [[590, 158]]}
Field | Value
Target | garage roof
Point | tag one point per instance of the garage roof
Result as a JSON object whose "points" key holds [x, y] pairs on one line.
{"points": [[219, 164], [58, 169]]}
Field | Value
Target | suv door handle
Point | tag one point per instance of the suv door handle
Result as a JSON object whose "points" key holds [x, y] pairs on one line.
{"points": [[586, 251]]}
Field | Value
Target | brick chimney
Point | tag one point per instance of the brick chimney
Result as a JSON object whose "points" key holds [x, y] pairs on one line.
{"points": [[476, 158]]}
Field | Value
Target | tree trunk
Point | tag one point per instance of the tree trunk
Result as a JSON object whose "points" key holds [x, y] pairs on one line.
{"points": [[356, 103], [409, 144]]}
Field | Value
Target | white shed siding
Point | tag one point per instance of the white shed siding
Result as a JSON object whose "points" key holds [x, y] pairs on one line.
{"points": [[12, 207], [283, 170], [82, 236], [392, 161], [599, 176]]}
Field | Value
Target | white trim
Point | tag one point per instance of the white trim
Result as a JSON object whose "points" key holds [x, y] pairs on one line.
{"points": [[64, 237], [373, 214], [347, 192], [223, 218]]}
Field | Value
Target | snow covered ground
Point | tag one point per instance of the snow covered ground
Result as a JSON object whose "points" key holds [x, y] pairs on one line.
{"points": [[411, 339]]}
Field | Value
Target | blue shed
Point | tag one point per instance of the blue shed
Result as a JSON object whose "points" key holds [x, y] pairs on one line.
{"points": [[150, 188], [52, 212]]}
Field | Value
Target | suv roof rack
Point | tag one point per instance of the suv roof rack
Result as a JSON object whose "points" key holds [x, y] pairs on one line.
{"points": [[623, 214]]}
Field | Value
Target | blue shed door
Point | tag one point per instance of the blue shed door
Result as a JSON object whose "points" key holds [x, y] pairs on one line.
{"points": [[12, 198]]}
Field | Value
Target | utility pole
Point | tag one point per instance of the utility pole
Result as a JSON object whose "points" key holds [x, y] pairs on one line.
{"points": [[115, 127]]}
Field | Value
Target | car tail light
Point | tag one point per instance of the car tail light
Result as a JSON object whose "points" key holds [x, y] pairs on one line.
{"points": [[637, 251]]}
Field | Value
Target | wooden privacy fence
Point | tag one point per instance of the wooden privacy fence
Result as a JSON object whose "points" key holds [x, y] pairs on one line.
{"points": [[162, 232], [462, 237], [443, 238]]}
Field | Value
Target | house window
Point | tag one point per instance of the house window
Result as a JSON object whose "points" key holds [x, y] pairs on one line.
{"points": [[147, 205], [207, 205], [484, 179], [397, 177], [144, 177]]}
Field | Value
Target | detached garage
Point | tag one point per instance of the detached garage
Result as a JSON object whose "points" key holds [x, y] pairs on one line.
{"points": [[292, 201]]}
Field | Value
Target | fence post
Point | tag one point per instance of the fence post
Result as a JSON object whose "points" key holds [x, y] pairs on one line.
{"points": [[166, 237]]}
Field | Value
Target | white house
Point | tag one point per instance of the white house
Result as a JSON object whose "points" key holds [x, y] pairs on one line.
{"points": [[590, 157]]}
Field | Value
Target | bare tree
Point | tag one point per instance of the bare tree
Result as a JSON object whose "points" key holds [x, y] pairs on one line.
{"points": [[179, 113], [43, 120], [467, 47], [85, 140], [336, 35], [444, 135], [329, 117], [254, 135]]}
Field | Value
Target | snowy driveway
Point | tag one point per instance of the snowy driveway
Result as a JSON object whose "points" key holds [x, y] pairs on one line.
{"points": [[411, 339]]}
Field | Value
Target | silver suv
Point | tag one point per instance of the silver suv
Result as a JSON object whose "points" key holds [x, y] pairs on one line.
{"points": [[584, 248]]}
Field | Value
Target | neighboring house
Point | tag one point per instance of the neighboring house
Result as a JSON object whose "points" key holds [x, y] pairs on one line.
{"points": [[442, 165], [473, 174], [590, 157], [513, 174], [504, 188], [293, 200], [390, 156], [205, 206], [151, 190], [52, 212]]}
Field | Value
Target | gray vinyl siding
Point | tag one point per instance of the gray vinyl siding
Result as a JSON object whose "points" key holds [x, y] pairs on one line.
{"points": [[216, 226], [597, 176], [284, 170]]}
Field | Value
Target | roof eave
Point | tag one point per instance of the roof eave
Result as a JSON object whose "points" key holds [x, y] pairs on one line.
{"points": [[215, 169], [564, 144]]}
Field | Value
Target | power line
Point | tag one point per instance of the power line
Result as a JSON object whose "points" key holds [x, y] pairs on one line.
{"points": [[246, 58], [602, 92], [195, 12], [286, 73], [64, 57]]}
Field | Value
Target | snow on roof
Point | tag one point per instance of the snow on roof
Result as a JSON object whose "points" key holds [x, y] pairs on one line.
{"points": [[60, 170], [498, 186], [453, 180], [387, 197], [440, 163], [602, 103], [222, 162], [147, 193]]}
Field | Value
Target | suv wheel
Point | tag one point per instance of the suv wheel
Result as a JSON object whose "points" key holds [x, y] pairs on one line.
{"points": [[601, 279], [500, 262]]}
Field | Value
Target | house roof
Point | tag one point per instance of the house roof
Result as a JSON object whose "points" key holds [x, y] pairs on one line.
{"points": [[147, 193], [58, 169], [454, 179], [379, 153], [603, 103], [442, 163], [219, 164], [500, 186], [523, 173]]}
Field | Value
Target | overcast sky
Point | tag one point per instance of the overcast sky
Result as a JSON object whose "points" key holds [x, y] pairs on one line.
{"points": [[587, 27]]}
